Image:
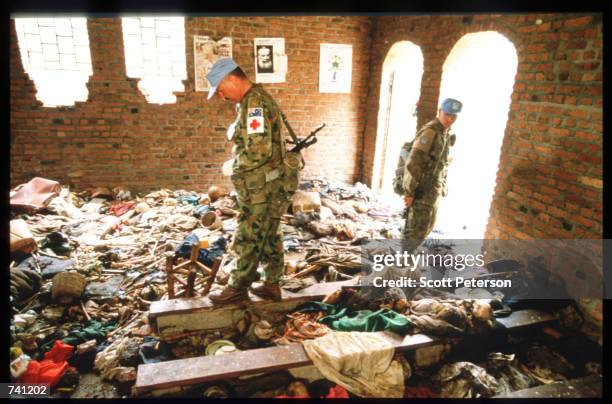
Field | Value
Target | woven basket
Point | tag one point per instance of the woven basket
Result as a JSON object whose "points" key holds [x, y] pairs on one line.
{"points": [[67, 287], [211, 221]]}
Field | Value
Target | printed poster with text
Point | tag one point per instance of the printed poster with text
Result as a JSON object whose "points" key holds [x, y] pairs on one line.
{"points": [[206, 51]]}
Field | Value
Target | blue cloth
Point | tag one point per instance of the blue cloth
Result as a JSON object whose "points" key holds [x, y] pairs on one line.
{"points": [[207, 255], [192, 199], [154, 351], [201, 209], [218, 71], [451, 106]]}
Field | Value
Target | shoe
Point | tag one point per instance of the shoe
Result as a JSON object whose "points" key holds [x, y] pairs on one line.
{"points": [[268, 291], [229, 295]]}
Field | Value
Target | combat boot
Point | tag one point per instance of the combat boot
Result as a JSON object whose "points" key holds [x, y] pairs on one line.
{"points": [[268, 291], [229, 295]]}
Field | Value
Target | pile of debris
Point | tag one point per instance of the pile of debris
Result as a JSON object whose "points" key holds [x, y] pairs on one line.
{"points": [[85, 266]]}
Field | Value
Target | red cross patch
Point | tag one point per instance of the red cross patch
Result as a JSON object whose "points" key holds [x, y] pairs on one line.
{"points": [[255, 121]]}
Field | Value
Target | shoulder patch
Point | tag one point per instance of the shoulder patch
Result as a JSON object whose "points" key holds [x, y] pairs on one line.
{"points": [[255, 121], [425, 140]]}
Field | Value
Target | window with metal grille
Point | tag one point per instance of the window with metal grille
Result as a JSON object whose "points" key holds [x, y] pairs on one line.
{"points": [[55, 54], [155, 53]]}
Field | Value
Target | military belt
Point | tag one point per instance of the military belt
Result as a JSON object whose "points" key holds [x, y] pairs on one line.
{"points": [[260, 176]]}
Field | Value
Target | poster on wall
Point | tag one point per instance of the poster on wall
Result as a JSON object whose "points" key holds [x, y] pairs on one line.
{"points": [[206, 51], [335, 68], [270, 60]]}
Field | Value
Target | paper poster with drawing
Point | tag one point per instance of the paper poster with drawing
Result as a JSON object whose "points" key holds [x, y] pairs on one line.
{"points": [[206, 51], [335, 68], [270, 60]]}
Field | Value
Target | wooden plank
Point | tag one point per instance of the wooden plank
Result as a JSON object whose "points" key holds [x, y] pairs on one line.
{"points": [[199, 303], [526, 318], [177, 317], [584, 387], [204, 369], [183, 372]]}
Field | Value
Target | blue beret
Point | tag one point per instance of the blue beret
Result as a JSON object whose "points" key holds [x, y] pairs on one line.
{"points": [[218, 71], [451, 106]]}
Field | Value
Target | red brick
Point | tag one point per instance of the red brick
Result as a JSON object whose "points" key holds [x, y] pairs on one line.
{"points": [[578, 22]]}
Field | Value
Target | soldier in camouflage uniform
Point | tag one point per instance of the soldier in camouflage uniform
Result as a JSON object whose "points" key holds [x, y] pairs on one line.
{"points": [[424, 176], [257, 176]]}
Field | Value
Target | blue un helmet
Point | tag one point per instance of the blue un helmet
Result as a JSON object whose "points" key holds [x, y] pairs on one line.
{"points": [[451, 106], [218, 71]]}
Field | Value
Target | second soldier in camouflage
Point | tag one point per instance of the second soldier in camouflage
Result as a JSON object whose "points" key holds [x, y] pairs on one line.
{"points": [[424, 174]]}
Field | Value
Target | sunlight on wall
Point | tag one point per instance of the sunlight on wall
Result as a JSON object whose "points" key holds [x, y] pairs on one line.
{"points": [[55, 54], [155, 53], [480, 72], [399, 93]]}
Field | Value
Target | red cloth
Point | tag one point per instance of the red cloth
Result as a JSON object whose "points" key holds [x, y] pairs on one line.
{"points": [[418, 392], [337, 392], [60, 352], [120, 208], [52, 368], [334, 392]]}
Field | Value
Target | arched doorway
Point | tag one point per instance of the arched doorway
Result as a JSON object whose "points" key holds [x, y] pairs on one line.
{"points": [[399, 93], [479, 71]]}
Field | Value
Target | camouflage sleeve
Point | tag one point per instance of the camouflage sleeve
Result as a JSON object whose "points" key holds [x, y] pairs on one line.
{"points": [[418, 162], [257, 133]]}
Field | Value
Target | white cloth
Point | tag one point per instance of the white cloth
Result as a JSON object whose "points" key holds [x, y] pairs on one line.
{"points": [[361, 362]]}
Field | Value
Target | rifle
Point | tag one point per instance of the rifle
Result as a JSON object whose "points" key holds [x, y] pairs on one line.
{"points": [[300, 144]]}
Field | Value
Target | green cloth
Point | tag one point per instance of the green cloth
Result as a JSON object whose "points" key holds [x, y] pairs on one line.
{"points": [[344, 319], [93, 330]]}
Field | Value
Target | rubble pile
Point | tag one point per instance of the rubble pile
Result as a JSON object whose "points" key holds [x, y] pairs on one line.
{"points": [[94, 260], [86, 266]]}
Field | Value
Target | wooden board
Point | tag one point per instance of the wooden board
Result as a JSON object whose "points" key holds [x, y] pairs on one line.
{"points": [[584, 387], [179, 317], [172, 375], [190, 371], [184, 372], [526, 318]]}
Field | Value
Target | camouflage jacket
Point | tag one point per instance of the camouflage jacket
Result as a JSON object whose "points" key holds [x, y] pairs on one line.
{"points": [[425, 169], [256, 133]]}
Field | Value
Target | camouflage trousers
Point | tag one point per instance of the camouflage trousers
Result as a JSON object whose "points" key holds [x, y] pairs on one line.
{"points": [[259, 239], [420, 220]]}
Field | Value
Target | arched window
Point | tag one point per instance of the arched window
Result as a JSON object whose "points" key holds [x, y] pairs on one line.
{"points": [[155, 53], [479, 71], [399, 93], [55, 54]]}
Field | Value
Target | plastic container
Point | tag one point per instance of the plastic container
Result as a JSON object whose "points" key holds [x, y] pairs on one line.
{"points": [[220, 347], [306, 202]]}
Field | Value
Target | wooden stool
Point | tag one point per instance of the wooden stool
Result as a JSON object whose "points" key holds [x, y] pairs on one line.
{"points": [[190, 268]]}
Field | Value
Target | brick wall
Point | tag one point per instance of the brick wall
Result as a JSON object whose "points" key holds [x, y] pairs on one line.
{"points": [[549, 182], [118, 138]]}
